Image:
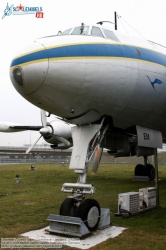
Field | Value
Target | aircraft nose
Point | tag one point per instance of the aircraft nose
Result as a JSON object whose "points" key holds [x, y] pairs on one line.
{"points": [[28, 70]]}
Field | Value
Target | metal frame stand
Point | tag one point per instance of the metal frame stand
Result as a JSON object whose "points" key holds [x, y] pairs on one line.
{"points": [[156, 177], [127, 214], [74, 226]]}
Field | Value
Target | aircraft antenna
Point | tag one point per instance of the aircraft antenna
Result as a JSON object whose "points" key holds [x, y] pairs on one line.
{"points": [[115, 17], [115, 21], [101, 22]]}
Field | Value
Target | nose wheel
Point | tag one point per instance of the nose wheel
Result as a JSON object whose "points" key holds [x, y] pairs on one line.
{"points": [[68, 207], [88, 210]]}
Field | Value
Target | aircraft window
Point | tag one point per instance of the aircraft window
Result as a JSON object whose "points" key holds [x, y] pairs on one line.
{"points": [[110, 35], [67, 32], [96, 32], [80, 30]]}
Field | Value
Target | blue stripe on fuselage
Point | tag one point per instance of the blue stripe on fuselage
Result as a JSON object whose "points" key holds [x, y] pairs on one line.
{"points": [[94, 50], [38, 55]]}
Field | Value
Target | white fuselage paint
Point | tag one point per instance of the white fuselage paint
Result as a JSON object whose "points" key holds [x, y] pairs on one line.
{"points": [[70, 85]]}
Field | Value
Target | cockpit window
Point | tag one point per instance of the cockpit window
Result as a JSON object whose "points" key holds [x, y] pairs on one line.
{"points": [[80, 30], [67, 32], [90, 30], [96, 32], [110, 35]]}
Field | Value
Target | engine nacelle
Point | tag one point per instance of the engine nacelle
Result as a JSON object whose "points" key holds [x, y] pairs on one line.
{"points": [[61, 129], [57, 132]]}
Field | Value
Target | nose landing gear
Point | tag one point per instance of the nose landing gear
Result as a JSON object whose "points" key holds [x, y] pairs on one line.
{"points": [[76, 205]]}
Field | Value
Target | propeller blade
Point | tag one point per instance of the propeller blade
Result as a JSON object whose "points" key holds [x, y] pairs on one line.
{"points": [[19, 128], [30, 148], [97, 158], [43, 118], [10, 127]]}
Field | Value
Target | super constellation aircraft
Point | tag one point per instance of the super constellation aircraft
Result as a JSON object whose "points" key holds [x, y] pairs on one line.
{"points": [[111, 86]]}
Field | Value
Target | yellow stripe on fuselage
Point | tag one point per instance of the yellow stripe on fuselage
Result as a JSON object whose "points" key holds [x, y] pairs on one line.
{"points": [[86, 58], [85, 43]]}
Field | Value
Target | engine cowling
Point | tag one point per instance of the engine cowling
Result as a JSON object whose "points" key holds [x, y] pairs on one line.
{"points": [[57, 132]]}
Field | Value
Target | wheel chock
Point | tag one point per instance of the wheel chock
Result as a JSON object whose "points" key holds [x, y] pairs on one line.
{"points": [[74, 226], [141, 178], [67, 225], [105, 220]]}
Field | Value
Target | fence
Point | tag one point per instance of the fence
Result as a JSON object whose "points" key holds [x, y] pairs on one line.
{"points": [[106, 159]]}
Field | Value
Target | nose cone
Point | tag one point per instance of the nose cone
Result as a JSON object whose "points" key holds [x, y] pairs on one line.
{"points": [[29, 69]]}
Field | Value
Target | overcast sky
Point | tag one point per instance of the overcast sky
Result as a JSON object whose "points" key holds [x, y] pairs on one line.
{"points": [[146, 16]]}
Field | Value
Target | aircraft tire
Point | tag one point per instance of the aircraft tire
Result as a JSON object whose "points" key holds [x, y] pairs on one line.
{"points": [[68, 207], [89, 212], [150, 171], [139, 170]]}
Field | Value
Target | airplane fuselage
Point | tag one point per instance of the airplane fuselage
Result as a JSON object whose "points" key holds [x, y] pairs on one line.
{"points": [[112, 86], [83, 78]]}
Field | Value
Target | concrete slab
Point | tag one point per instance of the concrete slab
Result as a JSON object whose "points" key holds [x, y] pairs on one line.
{"points": [[94, 239]]}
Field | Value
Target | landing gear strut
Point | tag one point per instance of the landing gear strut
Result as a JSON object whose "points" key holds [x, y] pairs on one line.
{"points": [[76, 205]]}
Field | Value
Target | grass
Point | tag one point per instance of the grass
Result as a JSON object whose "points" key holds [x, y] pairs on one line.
{"points": [[26, 205]]}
